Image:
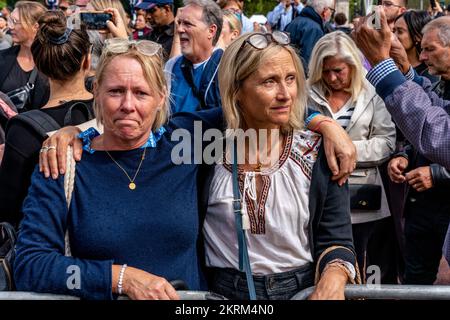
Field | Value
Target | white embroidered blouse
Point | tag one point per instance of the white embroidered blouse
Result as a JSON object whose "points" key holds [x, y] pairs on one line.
{"points": [[278, 238]]}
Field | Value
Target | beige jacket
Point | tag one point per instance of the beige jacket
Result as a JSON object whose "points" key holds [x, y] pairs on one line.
{"points": [[373, 133]]}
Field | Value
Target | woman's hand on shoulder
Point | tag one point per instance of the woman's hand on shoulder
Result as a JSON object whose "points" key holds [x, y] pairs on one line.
{"points": [[141, 285], [339, 148], [52, 158]]}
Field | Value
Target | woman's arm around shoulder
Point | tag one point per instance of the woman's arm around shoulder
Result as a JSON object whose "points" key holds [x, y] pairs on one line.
{"points": [[333, 240], [40, 264]]}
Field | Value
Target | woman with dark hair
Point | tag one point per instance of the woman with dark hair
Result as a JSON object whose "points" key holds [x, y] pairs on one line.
{"points": [[62, 55], [408, 29]]}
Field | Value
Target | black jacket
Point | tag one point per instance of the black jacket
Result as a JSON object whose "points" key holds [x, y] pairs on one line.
{"points": [[164, 36], [41, 92], [305, 31]]}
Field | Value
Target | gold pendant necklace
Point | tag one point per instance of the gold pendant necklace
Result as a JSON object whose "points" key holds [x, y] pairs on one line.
{"points": [[131, 185]]}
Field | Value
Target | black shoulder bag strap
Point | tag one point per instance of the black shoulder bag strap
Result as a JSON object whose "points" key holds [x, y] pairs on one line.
{"points": [[38, 120], [30, 84], [244, 260], [81, 106], [32, 78], [186, 69]]}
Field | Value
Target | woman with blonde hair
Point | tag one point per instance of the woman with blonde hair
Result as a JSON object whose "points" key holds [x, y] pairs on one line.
{"points": [[338, 89], [16, 63], [132, 221], [293, 215], [232, 28]]}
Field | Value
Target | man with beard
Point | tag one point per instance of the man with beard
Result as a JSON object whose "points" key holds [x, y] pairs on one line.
{"points": [[392, 9], [163, 22]]}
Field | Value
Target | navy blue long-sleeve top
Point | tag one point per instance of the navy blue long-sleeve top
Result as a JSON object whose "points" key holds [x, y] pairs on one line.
{"points": [[154, 227]]}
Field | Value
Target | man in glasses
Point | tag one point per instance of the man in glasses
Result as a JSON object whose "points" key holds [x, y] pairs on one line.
{"points": [[308, 27], [392, 9], [163, 22], [237, 6], [192, 77]]}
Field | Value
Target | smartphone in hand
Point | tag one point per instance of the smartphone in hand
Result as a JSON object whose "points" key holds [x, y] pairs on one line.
{"points": [[433, 4], [95, 20], [374, 20]]}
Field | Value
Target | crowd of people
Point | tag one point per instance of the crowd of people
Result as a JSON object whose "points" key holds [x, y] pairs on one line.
{"points": [[333, 158]]}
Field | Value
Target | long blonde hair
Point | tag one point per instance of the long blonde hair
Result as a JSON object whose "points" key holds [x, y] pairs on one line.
{"points": [[336, 44], [238, 62]]}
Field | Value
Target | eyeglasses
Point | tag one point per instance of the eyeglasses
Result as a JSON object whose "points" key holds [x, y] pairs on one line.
{"points": [[234, 10], [13, 22], [388, 4], [146, 47], [332, 10], [261, 41]]}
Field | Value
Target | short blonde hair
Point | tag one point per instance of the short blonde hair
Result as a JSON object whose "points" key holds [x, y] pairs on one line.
{"points": [[152, 67], [240, 61], [336, 44], [29, 13]]}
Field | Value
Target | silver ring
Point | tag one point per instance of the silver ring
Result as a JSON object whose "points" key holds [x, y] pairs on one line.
{"points": [[51, 147], [43, 149]]}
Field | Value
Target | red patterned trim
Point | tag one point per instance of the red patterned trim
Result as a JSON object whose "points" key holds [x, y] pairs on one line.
{"points": [[262, 205], [299, 158], [284, 156], [311, 148], [257, 217]]}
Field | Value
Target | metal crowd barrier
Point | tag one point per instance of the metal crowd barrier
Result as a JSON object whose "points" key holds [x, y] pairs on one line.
{"points": [[388, 292], [376, 292], [21, 295]]}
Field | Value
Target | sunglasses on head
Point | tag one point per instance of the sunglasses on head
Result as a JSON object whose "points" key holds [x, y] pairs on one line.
{"points": [[262, 40], [118, 45]]}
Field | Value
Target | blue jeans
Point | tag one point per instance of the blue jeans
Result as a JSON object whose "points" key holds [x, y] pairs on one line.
{"points": [[278, 286]]}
